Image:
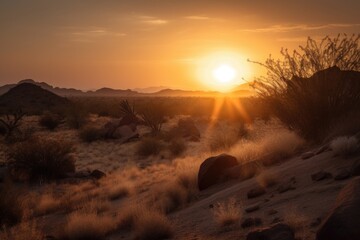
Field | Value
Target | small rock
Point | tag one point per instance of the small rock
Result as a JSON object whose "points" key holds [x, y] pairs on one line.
{"points": [[320, 176], [315, 222], [293, 180], [276, 220], [266, 200], [272, 212], [307, 155], [256, 192], [251, 222], [285, 187], [277, 232], [342, 174], [97, 174], [211, 206], [252, 208], [322, 149]]}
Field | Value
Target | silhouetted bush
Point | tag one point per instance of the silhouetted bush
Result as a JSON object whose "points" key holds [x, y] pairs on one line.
{"points": [[50, 120], [41, 159], [91, 133], [149, 146], [304, 89], [153, 116]]}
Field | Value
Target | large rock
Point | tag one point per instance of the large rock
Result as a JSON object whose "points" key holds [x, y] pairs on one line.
{"points": [[212, 169], [277, 232], [187, 129], [343, 222], [121, 128]]}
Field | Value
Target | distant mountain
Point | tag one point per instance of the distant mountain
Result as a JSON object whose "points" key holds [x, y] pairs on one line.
{"points": [[243, 90], [109, 92], [150, 89], [56, 90], [31, 98]]}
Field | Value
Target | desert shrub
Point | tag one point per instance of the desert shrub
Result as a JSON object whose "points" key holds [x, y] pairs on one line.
{"points": [[345, 146], [11, 123], [171, 196], [153, 225], [149, 146], [91, 133], [227, 213], [127, 217], [177, 146], [46, 204], [76, 117], [50, 120], [11, 204], [42, 158], [223, 139], [120, 191], [269, 148], [311, 106], [153, 117], [82, 226], [267, 179]]}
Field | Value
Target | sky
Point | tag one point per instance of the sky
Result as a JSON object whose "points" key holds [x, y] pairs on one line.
{"points": [[89, 44]]}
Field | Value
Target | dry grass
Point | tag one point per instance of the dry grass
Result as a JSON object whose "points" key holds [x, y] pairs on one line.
{"points": [[267, 179], [47, 204], [345, 146], [227, 213], [91, 133], [297, 221], [149, 146], [127, 216], [119, 191], [170, 197], [153, 225], [177, 147], [222, 139], [27, 230], [270, 147], [83, 226]]}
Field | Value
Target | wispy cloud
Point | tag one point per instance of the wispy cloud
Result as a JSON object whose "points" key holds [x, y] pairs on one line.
{"points": [[197, 17], [152, 20], [91, 34], [298, 27]]}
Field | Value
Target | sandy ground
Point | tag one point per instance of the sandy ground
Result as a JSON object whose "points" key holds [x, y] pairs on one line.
{"points": [[308, 201]]}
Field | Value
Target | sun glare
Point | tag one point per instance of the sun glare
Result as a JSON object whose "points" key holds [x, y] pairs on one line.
{"points": [[224, 73]]}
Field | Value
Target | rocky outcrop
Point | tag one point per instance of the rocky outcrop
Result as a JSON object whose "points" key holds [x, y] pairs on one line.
{"points": [[212, 169], [343, 221]]}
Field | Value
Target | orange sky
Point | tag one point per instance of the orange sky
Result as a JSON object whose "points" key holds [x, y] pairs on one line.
{"points": [[89, 44]]}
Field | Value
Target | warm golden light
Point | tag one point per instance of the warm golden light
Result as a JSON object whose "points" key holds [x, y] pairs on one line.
{"points": [[224, 73]]}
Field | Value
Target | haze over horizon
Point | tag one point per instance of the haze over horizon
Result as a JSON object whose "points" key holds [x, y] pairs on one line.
{"points": [[138, 44]]}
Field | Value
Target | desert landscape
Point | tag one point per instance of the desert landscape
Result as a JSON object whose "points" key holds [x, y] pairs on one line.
{"points": [[275, 156]]}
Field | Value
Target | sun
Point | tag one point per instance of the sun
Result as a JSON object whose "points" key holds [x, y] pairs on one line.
{"points": [[224, 73]]}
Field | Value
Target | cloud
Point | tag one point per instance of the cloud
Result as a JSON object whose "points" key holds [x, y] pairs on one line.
{"points": [[197, 17], [298, 27], [90, 34], [152, 20]]}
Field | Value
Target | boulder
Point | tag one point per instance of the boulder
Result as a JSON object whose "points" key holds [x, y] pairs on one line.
{"points": [[343, 221], [284, 187], [277, 232], [212, 169], [110, 127], [187, 129], [97, 174]]}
